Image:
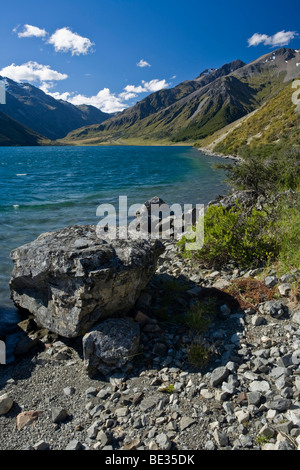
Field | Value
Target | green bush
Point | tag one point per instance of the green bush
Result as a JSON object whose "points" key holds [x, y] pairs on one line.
{"points": [[234, 235], [198, 354], [288, 230], [200, 316], [266, 175]]}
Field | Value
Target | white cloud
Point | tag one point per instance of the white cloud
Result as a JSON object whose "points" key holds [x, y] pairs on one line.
{"points": [[127, 95], [155, 85], [64, 40], [143, 63], [30, 31], [32, 72], [282, 38], [104, 100]]}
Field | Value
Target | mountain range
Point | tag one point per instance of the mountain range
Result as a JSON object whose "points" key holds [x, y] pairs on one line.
{"points": [[210, 109], [45, 115]]}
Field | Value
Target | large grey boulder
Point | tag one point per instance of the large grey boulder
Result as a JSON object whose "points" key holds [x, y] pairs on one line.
{"points": [[110, 345], [70, 279]]}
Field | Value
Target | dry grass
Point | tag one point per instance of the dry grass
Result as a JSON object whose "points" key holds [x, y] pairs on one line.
{"points": [[249, 292]]}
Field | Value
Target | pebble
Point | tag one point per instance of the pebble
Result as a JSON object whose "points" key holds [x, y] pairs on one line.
{"points": [[250, 388], [6, 403]]}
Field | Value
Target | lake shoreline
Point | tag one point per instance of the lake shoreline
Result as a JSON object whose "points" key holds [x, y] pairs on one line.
{"points": [[211, 153]]}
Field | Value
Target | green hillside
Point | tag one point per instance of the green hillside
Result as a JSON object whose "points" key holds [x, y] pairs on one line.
{"points": [[196, 109], [275, 125]]}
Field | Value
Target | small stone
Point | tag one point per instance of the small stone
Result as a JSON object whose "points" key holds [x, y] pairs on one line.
{"points": [[209, 445], [142, 318], [258, 320], [284, 289], [74, 445], [250, 311], [205, 393], [285, 427], [242, 416], [163, 441], [5, 403], [110, 344], [268, 446], [225, 310], [271, 281], [218, 376], [132, 445], [296, 317], [274, 308], [253, 398], [221, 284], [104, 437], [294, 416], [221, 438], [93, 429], [195, 291], [148, 403], [279, 404], [266, 341], [153, 445], [58, 415], [259, 386], [41, 445], [122, 412], [27, 417], [267, 431], [186, 422], [91, 392]]}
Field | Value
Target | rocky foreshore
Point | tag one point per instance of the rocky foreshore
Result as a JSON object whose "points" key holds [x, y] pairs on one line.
{"points": [[246, 396], [212, 153]]}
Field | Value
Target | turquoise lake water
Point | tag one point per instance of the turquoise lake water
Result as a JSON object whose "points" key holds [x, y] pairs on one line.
{"points": [[47, 188]]}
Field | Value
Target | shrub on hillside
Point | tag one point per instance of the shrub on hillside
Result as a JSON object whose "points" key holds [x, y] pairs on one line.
{"points": [[234, 235], [266, 175]]}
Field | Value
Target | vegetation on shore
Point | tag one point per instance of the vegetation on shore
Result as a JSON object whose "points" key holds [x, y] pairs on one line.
{"points": [[268, 231]]}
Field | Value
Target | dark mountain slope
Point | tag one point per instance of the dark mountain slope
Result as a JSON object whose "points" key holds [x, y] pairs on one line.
{"points": [[45, 115], [12, 133]]}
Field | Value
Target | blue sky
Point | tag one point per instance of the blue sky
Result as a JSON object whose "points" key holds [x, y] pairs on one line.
{"points": [[89, 51]]}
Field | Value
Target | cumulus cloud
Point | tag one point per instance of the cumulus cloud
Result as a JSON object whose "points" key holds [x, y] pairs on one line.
{"points": [[282, 38], [146, 87], [32, 72], [105, 100], [143, 63], [64, 40], [155, 85], [111, 102], [30, 31]]}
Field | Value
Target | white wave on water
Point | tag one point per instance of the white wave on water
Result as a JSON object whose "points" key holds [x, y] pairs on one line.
{"points": [[21, 174]]}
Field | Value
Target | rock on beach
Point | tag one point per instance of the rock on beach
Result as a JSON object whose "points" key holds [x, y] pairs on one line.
{"points": [[70, 279]]}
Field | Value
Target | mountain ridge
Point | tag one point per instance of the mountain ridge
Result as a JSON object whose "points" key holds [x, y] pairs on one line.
{"points": [[196, 108], [45, 115]]}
